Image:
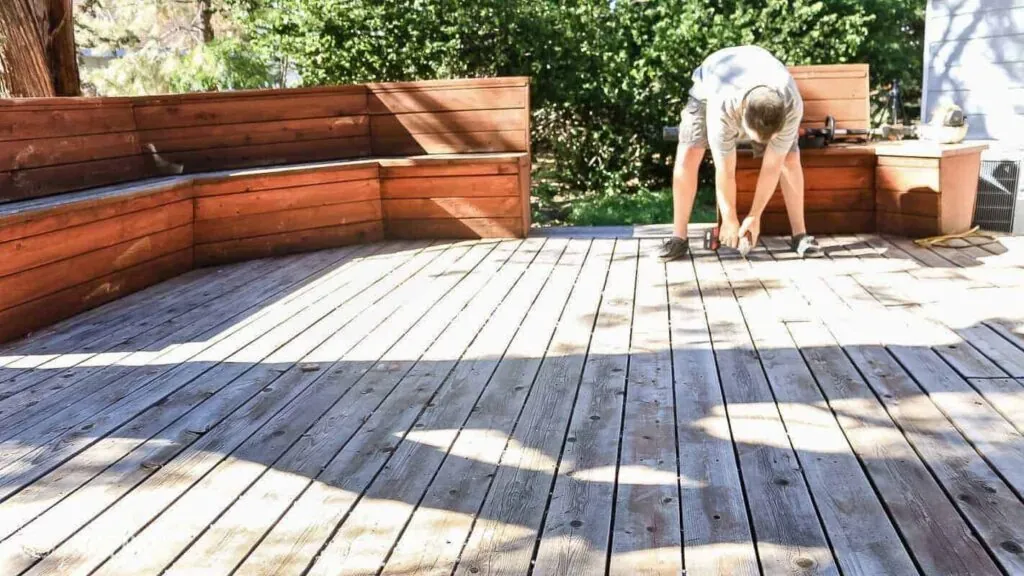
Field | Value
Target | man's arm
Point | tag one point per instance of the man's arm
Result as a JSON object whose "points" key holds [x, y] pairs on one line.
{"points": [[725, 196], [767, 181]]}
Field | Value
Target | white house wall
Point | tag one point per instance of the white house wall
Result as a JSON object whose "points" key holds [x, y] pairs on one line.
{"points": [[974, 57]]}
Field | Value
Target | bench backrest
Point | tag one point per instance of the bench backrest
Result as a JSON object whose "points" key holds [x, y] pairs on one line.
{"points": [[839, 90], [56, 145]]}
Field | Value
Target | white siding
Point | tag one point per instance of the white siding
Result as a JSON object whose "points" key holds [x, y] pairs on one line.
{"points": [[974, 57]]}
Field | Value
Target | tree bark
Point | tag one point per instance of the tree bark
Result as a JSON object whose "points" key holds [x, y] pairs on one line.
{"points": [[62, 51], [37, 49], [24, 71], [206, 18]]}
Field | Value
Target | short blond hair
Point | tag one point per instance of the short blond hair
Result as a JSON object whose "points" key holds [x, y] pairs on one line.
{"points": [[765, 112]]}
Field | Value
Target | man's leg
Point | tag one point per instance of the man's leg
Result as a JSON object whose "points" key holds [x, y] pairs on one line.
{"points": [[689, 153], [684, 186], [792, 183]]}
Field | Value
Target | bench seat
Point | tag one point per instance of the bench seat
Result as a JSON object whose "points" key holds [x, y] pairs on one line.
{"points": [[64, 254]]}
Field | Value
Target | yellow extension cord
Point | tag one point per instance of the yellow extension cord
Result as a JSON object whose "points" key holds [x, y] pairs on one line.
{"points": [[965, 236]]}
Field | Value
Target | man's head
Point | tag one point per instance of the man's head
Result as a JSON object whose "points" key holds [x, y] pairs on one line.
{"points": [[764, 114]]}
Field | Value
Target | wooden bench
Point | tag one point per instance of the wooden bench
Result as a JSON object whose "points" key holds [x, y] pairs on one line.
{"points": [[100, 197], [908, 188]]}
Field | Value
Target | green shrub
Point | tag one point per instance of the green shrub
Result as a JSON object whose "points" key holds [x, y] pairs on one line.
{"points": [[606, 75]]}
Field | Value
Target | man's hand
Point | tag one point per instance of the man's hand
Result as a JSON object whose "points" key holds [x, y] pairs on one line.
{"points": [[751, 227], [729, 233]]}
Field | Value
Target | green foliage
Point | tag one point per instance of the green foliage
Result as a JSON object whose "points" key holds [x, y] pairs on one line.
{"points": [[606, 75], [641, 207], [157, 46]]}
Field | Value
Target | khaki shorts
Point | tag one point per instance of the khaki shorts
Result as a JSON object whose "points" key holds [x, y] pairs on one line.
{"points": [[693, 129]]}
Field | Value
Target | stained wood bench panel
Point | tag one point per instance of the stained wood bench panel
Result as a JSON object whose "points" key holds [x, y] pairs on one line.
{"points": [[840, 90], [57, 262], [448, 117], [53, 146], [439, 197], [204, 132], [926, 190], [255, 213], [839, 191], [202, 179]]}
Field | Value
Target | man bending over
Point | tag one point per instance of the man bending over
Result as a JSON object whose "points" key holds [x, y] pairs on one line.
{"points": [[740, 94]]}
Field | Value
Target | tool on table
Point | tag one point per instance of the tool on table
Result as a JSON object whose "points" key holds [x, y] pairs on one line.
{"points": [[711, 242], [808, 137], [822, 137]]}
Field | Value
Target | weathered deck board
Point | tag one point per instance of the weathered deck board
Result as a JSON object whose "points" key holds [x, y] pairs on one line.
{"points": [[858, 527], [982, 497], [647, 533], [232, 536], [716, 529], [406, 408], [131, 513], [179, 525], [576, 533], [789, 534], [316, 515], [365, 538], [503, 538], [431, 542]]}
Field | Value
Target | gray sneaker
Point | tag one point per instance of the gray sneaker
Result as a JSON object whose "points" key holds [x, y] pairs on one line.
{"points": [[805, 246], [675, 248]]}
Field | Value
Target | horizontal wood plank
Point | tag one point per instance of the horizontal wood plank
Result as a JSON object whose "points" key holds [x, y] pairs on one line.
{"points": [[843, 110], [458, 83], [451, 228], [842, 178], [836, 222], [243, 108], [51, 180], [19, 255], [449, 187], [62, 120], [277, 199], [447, 100], [448, 122], [475, 169], [271, 223], [840, 87], [21, 320], [815, 201], [906, 224], [269, 154], [413, 209], [84, 212], [255, 131], [451, 143], [36, 153], [916, 202], [905, 178], [286, 177], [287, 243], [38, 282]]}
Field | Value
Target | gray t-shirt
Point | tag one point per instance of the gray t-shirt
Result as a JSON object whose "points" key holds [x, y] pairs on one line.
{"points": [[724, 79]]}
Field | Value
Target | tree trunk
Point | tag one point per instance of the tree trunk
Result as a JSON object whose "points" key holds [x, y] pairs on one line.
{"points": [[63, 54], [206, 18], [23, 64], [37, 55]]}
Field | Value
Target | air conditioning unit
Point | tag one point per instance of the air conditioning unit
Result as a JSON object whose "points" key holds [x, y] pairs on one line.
{"points": [[1000, 203]]}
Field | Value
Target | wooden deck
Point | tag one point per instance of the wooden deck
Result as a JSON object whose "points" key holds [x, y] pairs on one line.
{"points": [[564, 404]]}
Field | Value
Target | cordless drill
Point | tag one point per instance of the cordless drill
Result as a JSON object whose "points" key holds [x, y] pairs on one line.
{"points": [[711, 242]]}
